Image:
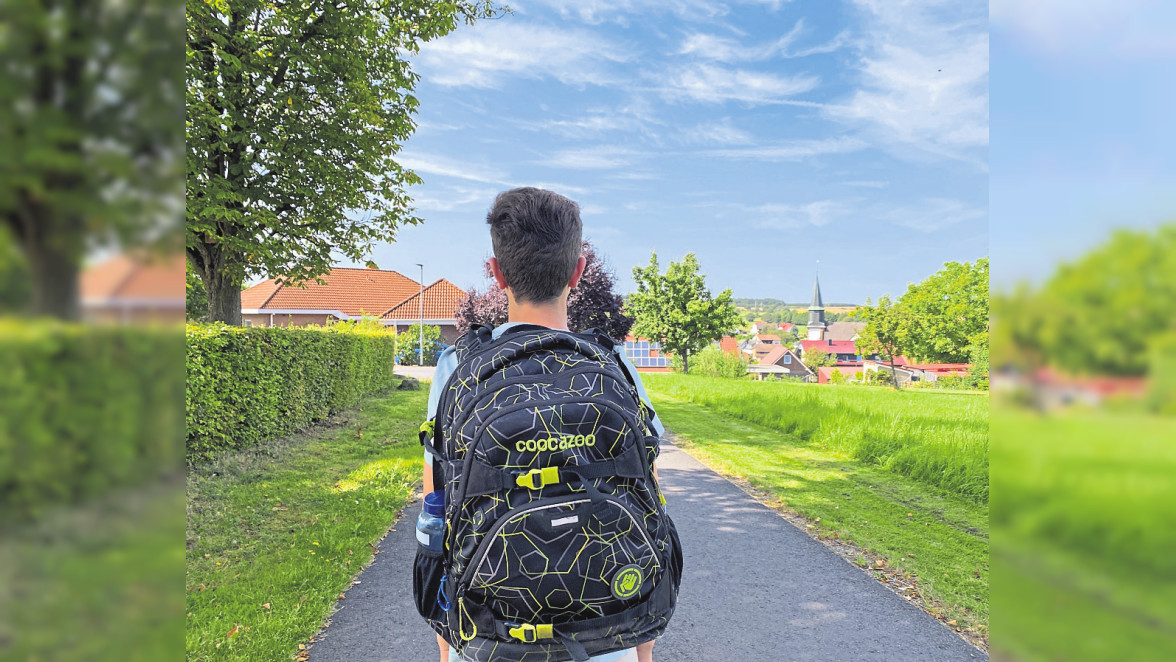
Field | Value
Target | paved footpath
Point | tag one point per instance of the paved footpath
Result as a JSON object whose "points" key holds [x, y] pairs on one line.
{"points": [[755, 589]]}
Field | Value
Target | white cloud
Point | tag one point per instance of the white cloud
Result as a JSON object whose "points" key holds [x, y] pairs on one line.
{"points": [[708, 83], [601, 157], [924, 78], [481, 55], [619, 11], [721, 133], [933, 214], [447, 167], [1090, 29], [726, 49], [796, 150], [636, 116], [562, 189], [636, 175], [788, 217], [593, 210], [452, 198]]}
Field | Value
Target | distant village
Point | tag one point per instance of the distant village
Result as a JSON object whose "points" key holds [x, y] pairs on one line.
{"points": [[779, 350], [127, 290]]}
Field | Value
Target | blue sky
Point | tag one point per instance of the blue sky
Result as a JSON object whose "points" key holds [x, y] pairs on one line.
{"points": [[1083, 138], [762, 136]]}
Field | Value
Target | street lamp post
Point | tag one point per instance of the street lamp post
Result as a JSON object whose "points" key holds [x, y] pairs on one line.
{"points": [[421, 358]]}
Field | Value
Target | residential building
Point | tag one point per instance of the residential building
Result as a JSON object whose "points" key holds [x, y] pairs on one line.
{"points": [[646, 355], [844, 330], [441, 299], [729, 345], [779, 361], [134, 289], [844, 351], [350, 294], [767, 339]]}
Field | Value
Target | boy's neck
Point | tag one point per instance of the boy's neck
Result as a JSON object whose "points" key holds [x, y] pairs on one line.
{"points": [[552, 314]]}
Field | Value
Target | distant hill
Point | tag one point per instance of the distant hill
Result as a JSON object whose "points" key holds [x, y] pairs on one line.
{"points": [[775, 310]]}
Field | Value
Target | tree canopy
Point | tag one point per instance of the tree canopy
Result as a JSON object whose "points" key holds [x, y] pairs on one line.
{"points": [[676, 308], [888, 327], [295, 113], [947, 313], [90, 135], [592, 305], [1097, 314]]}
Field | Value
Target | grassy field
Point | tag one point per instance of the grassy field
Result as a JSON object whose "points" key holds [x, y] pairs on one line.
{"points": [[96, 581], [277, 532], [930, 540], [1083, 529], [937, 438]]}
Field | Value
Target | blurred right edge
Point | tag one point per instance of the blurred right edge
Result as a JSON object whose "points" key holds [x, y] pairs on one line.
{"points": [[1083, 425]]}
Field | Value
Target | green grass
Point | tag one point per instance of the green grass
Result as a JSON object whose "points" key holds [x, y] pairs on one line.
{"points": [[98, 581], [1084, 528], [935, 437], [936, 537], [288, 524]]}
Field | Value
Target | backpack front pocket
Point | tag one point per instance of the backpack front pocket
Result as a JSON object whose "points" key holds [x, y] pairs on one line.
{"points": [[567, 559]]}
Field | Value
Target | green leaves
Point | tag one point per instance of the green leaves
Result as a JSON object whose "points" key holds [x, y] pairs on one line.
{"points": [[676, 308], [249, 385], [291, 139], [1097, 314]]}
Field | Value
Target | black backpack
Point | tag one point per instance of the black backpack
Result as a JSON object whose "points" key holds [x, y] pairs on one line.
{"points": [[556, 544]]}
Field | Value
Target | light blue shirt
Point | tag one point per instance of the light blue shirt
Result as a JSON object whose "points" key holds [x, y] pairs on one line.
{"points": [[447, 363]]}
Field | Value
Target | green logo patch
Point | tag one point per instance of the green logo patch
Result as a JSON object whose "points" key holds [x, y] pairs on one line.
{"points": [[627, 582]]}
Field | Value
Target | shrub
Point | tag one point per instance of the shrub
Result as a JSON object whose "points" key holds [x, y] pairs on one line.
{"points": [[408, 345], [837, 377], [83, 410], [246, 385], [714, 362]]}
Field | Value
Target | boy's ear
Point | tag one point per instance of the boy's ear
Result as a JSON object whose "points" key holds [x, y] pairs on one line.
{"points": [[579, 271], [496, 270]]}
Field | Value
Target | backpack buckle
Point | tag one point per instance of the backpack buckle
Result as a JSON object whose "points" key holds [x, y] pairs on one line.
{"points": [[536, 479], [529, 634]]}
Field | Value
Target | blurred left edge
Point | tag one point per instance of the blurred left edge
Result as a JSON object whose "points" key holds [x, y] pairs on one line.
{"points": [[92, 305]]}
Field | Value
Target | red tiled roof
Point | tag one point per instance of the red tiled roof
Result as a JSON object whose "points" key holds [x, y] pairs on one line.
{"points": [[786, 326], [830, 346], [441, 299], [125, 277], [729, 344], [348, 290], [776, 354], [763, 349], [768, 336]]}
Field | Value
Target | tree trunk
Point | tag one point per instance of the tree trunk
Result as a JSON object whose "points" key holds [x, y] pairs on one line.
{"points": [[223, 290], [893, 375], [54, 273], [224, 300], [53, 247], [685, 362]]}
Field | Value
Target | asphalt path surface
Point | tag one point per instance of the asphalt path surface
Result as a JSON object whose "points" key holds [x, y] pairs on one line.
{"points": [[755, 589]]}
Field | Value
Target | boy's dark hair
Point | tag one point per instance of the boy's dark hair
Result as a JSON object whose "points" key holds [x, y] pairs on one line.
{"points": [[537, 238]]}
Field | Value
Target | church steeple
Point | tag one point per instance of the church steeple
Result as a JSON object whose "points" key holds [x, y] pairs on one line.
{"points": [[816, 320], [817, 304]]}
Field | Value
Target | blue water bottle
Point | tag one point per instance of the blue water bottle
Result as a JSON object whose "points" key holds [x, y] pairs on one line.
{"points": [[430, 531]]}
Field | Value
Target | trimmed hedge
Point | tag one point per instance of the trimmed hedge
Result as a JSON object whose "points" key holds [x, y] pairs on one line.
{"points": [[84, 409], [247, 385]]}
